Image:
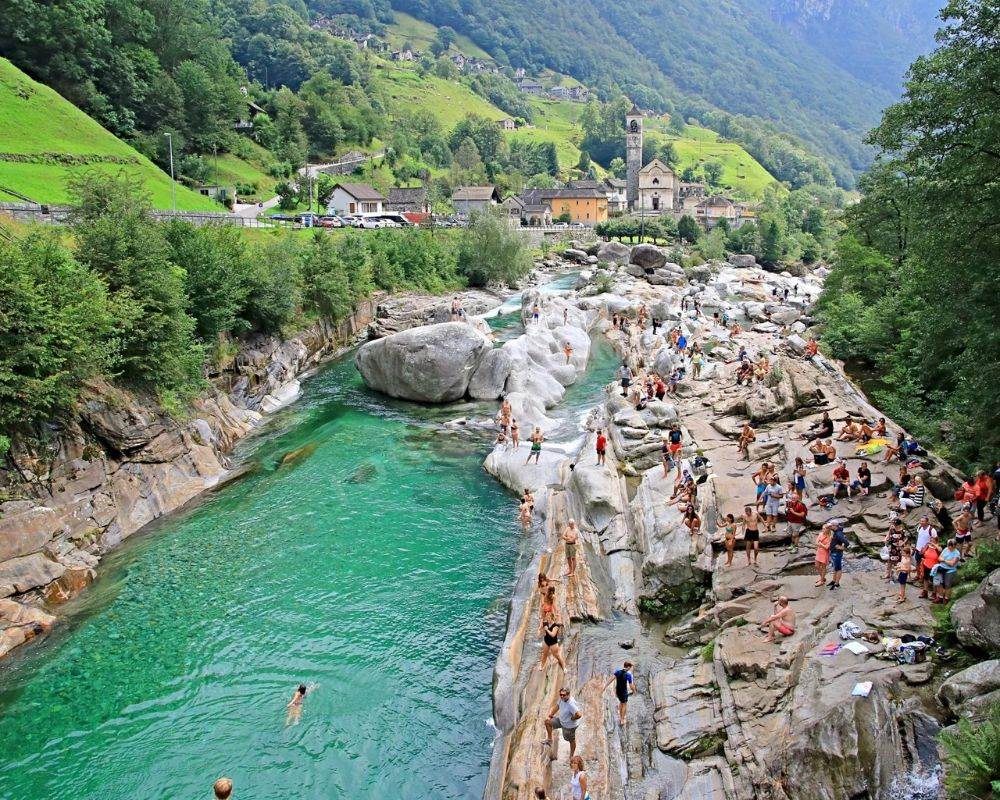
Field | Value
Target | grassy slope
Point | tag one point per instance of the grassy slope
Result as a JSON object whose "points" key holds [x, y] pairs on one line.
{"points": [[232, 169], [420, 34], [34, 119], [449, 101], [744, 174]]}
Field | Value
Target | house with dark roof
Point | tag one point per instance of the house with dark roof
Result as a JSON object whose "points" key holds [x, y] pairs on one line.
{"points": [[355, 198], [587, 205], [467, 199], [406, 200]]}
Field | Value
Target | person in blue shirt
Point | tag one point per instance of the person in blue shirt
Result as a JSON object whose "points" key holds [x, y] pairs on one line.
{"points": [[945, 572], [682, 343], [837, 546], [624, 686]]}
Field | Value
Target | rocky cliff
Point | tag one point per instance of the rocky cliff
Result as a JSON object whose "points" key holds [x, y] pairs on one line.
{"points": [[123, 462]]}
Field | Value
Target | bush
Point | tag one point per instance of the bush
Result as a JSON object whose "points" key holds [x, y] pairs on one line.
{"points": [[489, 251], [972, 758]]}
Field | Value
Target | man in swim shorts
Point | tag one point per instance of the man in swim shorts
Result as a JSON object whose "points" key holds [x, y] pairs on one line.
{"points": [[624, 686], [782, 621]]}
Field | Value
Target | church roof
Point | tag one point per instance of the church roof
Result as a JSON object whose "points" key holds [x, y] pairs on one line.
{"points": [[656, 163], [634, 112]]}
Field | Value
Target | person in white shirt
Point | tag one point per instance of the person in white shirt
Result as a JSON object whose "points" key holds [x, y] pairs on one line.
{"points": [[565, 715]]}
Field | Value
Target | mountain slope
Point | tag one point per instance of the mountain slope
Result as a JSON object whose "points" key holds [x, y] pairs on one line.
{"points": [[760, 58], [44, 140]]}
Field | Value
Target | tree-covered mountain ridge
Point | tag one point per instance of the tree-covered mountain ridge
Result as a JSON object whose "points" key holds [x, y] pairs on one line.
{"points": [[820, 71]]}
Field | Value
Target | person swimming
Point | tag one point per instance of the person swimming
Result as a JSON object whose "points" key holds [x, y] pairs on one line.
{"points": [[294, 706]]}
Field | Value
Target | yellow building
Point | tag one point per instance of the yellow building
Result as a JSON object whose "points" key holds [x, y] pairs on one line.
{"points": [[586, 206]]}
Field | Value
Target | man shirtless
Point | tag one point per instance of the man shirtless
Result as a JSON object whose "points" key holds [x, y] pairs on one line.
{"points": [[747, 437], [570, 535], [751, 532], [782, 621], [850, 432]]}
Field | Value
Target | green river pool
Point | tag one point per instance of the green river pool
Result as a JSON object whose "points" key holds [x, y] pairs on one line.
{"points": [[377, 565]]}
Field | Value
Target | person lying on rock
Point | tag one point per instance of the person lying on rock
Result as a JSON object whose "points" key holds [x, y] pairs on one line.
{"points": [[781, 622]]}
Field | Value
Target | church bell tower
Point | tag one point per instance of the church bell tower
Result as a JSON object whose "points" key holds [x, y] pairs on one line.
{"points": [[633, 156]]}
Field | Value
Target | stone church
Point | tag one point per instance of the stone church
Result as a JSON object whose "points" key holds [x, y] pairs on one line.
{"points": [[654, 188]]}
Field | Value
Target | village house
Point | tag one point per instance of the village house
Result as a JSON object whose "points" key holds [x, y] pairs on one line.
{"points": [[355, 198], [659, 188], [528, 210], [531, 86], [467, 199], [586, 205], [506, 124], [712, 210], [519, 73], [406, 54], [559, 93], [248, 111], [617, 198], [408, 200]]}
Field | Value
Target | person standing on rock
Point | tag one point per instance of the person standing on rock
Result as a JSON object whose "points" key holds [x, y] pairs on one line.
{"points": [[795, 519], [567, 351], [728, 526], [570, 536], [578, 783], [551, 633], [837, 546], [602, 445], [773, 493], [565, 715], [625, 376], [823, 541], [536, 313], [782, 621], [624, 687], [223, 789], [536, 446], [515, 434], [456, 309], [751, 532], [903, 571], [565, 316]]}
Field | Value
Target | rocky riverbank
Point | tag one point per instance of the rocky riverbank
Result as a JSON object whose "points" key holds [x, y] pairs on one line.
{"points": [[719, 712], [123, 462]]}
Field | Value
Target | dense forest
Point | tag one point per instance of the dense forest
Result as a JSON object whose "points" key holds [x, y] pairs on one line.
{"points": [[703, 60], [913, 293]]}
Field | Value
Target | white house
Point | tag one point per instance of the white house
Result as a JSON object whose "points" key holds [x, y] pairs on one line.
{"points": [[355, 198]]}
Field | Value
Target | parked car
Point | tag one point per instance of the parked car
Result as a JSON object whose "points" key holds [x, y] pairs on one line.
{"points": [[331, 222], [371, 223]]}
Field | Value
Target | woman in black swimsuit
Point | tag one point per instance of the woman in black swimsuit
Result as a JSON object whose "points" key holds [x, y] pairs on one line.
{"points": [[551, 631]]}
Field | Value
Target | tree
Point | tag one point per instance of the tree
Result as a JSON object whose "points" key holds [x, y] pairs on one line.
{"points": [[583, 164], [56, 328], [771, 243], [490, 251], [688, 229], [617, 167], [116, 239], [713, 172], [444, 39], [668, 154]]}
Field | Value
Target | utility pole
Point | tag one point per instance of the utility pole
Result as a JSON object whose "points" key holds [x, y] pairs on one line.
{"points": [[173, 183]]}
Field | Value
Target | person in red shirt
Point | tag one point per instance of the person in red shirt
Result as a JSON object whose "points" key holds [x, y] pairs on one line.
{"points": [[984, 491], [795, 518], [602, 444], [841, 479]]}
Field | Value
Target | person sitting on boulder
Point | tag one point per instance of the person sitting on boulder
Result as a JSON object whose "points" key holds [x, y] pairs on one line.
{"points": [[782, 621], [745, 373], [863, 484], [823, 452], [896, 450], [821, 429], [841, 479], [812, 347], [911, 496], [747, 437], [880, 431], [762, 368], [851, 431]]}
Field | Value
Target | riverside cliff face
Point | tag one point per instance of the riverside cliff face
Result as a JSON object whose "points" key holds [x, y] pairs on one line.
{"points": [[718, 712], [121, 463]]}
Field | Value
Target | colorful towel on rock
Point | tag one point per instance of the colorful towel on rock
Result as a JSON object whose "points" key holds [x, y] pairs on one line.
{"points": [[872, 446]]}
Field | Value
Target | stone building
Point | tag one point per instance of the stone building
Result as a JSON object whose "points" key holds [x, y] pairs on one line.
{"points": [[633, 155], [659, 188]]}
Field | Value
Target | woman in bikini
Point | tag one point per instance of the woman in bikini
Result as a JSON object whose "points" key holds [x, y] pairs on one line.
{"points": [[729, 532], [515, 433]]}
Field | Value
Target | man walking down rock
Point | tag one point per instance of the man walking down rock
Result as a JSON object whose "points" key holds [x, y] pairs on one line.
{"points": [[564, 715]]}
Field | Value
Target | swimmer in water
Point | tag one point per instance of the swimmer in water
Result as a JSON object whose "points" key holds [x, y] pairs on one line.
{"points": [[295, 705]]}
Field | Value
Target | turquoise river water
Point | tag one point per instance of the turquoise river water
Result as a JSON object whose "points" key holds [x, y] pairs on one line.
{"points": [[376, 565]]}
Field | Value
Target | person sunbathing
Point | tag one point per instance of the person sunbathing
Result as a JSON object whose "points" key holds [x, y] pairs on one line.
{"points": [[812, 347], [850, 432]]}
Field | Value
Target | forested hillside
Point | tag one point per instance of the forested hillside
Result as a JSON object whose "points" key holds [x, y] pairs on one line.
{"points": [[699, 59]]}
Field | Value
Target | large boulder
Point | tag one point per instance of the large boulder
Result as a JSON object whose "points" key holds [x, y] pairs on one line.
{"points": [[431, 364], [973, 690], [573, 254], [613, 252], [648, 256], [635, 271], [742, 260], [490, 377], [976, 616]]}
